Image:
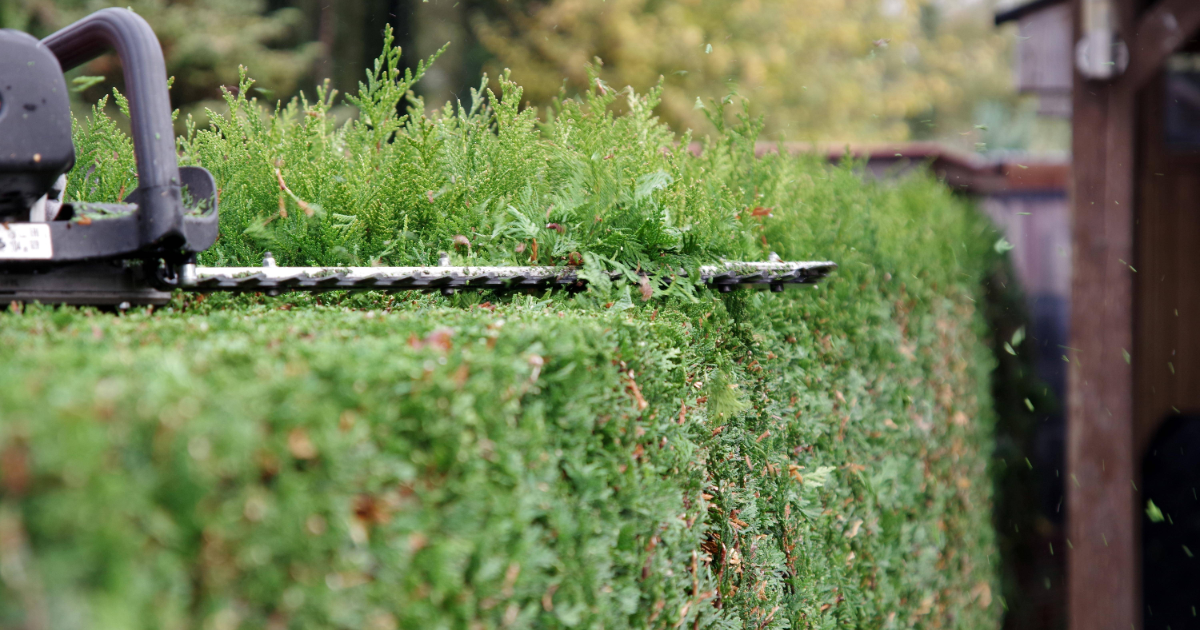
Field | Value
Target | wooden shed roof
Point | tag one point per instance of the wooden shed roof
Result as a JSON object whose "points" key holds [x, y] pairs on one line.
{"points": [[1020, 11], [966, 172]]}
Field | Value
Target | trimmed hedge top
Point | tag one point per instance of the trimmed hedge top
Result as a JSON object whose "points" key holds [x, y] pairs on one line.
{"points": [[631, 457]]}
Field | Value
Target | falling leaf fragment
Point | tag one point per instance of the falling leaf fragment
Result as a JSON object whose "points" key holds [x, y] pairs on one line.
{"points": [[1153, 511]]}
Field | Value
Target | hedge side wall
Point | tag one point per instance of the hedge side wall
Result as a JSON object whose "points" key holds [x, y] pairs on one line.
{"points": [[630, 457]]}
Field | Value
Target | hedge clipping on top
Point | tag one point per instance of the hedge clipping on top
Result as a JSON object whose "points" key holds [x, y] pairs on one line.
{"points": [[632, 457]]}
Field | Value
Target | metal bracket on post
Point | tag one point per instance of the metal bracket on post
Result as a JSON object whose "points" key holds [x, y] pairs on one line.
{"points": [[1100, 55]]}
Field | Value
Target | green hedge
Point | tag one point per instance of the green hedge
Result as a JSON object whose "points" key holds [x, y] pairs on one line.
{"points": [[630, 457]]}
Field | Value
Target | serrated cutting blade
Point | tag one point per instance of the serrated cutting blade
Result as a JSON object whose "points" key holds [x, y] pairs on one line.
{"points": [[447, 279]]}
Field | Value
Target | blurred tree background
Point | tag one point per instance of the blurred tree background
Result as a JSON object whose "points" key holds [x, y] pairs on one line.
{"points": [[844, 70], [817, 70], [204, 41]]}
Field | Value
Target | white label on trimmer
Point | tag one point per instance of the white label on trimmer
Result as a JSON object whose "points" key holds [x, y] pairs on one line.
{"points": [[25, 241]]}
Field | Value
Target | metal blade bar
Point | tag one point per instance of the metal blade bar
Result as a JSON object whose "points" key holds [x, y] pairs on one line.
{"points": [[272, 280]]}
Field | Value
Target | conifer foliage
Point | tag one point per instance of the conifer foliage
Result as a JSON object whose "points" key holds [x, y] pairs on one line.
{"points": [[631, 457]]}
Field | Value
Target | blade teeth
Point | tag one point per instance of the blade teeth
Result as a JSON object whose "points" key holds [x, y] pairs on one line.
{"points": [[724, 276]]}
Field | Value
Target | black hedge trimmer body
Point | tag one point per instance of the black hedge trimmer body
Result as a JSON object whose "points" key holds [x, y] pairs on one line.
{"points": [[55, 251]]}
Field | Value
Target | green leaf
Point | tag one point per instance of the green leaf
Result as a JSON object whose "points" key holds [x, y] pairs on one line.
{"points": [[81, 83], [1152, 511]]}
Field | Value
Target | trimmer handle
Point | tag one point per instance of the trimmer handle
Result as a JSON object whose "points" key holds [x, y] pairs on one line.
{"points": [[159, 197]]}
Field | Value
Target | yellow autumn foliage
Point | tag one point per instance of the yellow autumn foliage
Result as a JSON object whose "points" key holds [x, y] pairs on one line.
{"points": [[850, 70]]}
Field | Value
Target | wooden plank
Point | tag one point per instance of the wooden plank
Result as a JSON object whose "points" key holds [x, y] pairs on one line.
{"points": [[1045, 51], [1101, 519], [1167, 285], [1159, 33]]}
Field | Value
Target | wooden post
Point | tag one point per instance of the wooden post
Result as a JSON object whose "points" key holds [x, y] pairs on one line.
{"points": [[1103, 461], [1102, 565]]}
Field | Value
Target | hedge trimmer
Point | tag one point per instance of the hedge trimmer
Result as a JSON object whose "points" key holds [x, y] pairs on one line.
{"points": [[140, 250]]}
